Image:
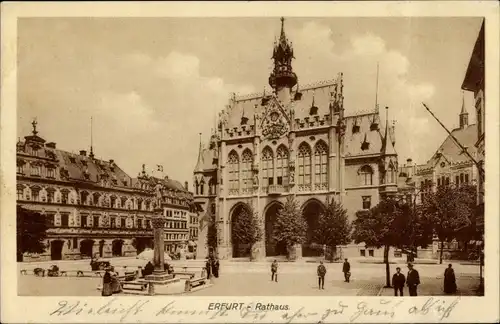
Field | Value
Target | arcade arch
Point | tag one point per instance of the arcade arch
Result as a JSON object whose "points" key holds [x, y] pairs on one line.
{"points": [[273, 247], [311, 211]]}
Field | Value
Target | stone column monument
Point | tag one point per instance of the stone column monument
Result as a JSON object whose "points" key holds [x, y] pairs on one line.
{"points": [[159, 276]]}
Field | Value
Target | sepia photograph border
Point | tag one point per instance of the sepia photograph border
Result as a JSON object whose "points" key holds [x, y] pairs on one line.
{"points": [[165, 309]]}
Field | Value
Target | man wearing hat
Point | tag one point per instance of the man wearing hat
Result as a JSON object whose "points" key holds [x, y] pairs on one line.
{"points": [[412, 280]]}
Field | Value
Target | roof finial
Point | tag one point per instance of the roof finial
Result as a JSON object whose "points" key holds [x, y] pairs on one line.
{"points": [[34, 123], [282, 26], [91, 155], [376, 91]]}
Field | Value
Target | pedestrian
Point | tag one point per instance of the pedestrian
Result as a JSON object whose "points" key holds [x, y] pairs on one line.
{"points": [[346, 269], [321, 275], [216, 267], [450, 284], [106, 284], [412, 280], [208, 266], [148, 269], [274, 271], [398, 282]]}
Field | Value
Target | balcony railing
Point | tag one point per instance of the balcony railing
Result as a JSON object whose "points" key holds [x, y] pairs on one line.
{"points": [[276, 189]]}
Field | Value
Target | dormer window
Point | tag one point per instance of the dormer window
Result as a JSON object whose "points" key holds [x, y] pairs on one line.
{"points": [[297, 96], [365, 145], [374, 126], [264, 101], [355, 129], [244, 120], [313, 110], [72, 159]]}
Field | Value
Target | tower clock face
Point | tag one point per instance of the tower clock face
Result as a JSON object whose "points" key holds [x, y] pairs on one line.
{"points": [[274, 116]]}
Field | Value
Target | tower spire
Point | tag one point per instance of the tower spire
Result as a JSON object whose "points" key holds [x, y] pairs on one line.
{"points": [[91, 139], [199, 163], [282, 75], [282, 34], [376, 90], [464, 115]]}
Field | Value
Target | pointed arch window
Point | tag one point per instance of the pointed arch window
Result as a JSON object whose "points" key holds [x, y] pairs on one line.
{"points": [[202, 187], [234, 170], [267, 167], [246, 169], [391, 174], [304, 166], [282, 165], [211, 187], [197, 186], [366, 174], [321, 165]]}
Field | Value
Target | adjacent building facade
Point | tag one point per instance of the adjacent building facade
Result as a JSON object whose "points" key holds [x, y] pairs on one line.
{"points": [[291, 140], [474, 81], [92, 206], [448, 165]]}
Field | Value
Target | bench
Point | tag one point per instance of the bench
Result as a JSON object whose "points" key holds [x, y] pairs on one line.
{"points": [[191, 283], [141, 284], [184, 273]]}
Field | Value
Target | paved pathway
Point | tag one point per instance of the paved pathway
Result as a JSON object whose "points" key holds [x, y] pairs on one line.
{"points": [[247, 279]]}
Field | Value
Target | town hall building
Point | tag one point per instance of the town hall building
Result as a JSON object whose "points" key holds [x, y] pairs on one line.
{"points": [[293, 140]]}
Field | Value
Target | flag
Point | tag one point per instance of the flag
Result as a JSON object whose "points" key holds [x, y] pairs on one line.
{"points": [[160, 168]]}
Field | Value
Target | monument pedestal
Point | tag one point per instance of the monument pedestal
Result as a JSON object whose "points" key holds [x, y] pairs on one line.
{"points": [[157, 279]]}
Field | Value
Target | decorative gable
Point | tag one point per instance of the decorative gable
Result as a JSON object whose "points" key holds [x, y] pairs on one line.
{"points": [[275, 120]]}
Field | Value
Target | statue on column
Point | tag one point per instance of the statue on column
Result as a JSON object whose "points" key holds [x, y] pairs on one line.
{"points": [[159, 194]]}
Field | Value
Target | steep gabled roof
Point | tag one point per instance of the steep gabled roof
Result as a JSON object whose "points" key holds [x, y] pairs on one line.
{"points": [[466, 136]]}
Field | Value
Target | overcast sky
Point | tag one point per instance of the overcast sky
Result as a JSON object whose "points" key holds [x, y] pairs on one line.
{"points": [[153, 84]]}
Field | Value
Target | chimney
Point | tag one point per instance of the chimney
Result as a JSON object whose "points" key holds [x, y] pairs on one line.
{"points": [[111, 161], [83, 153], [408, 160], [51, 145], [186, 186], [166, 177]]}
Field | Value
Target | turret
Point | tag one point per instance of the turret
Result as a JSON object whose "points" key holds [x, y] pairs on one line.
{"points": [[282, 78]]}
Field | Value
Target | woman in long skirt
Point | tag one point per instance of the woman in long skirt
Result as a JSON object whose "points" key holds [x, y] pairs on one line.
{"points": [[116, 286], [450, 283], [106, 284]]}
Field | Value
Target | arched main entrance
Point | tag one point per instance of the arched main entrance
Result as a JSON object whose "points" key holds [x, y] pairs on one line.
{"points": [[273, 247], [311, 211], [240, 249], [117, 247], [86, 247], [56, 247]]}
